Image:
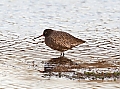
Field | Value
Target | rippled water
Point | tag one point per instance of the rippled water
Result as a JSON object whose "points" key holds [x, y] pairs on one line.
{"points": [[96, 22]]}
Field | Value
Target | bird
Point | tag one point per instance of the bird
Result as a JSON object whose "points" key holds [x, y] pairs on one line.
{"points": [[60, 41]]}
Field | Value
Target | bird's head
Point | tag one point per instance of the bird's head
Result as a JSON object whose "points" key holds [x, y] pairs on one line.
{"points": [[47, 32]]}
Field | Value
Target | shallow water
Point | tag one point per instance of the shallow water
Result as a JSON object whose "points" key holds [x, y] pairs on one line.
{"points": [[96, 22]]}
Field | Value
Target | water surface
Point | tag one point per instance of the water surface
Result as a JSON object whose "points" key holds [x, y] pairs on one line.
{"points": [[96, 22]]}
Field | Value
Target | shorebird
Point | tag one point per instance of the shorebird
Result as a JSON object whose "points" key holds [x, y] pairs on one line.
{"points": [[59, 40]]}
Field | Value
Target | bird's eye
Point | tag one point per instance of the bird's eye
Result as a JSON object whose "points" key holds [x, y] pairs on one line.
{"points": [[45, 32]]}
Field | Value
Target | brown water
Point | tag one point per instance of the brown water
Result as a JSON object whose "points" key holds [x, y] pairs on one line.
{"points": [[22, 59]]}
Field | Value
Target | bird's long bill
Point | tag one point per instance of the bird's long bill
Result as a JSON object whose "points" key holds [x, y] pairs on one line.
{"points": [[37, 37]]}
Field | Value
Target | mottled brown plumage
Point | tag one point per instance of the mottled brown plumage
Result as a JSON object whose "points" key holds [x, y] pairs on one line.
{"points": [[60, 41]]}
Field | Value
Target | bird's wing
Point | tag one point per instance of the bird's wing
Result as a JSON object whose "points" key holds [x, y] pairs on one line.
{"points": [[62, 39], [65, 39]]}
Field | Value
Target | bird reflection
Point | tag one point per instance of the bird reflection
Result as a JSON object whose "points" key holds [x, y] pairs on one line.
{"points": [[60, 64], [57, 65], [60, 61]]}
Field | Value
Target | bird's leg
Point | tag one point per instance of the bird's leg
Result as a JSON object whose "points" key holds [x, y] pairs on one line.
{"points": [[62, 54]]}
